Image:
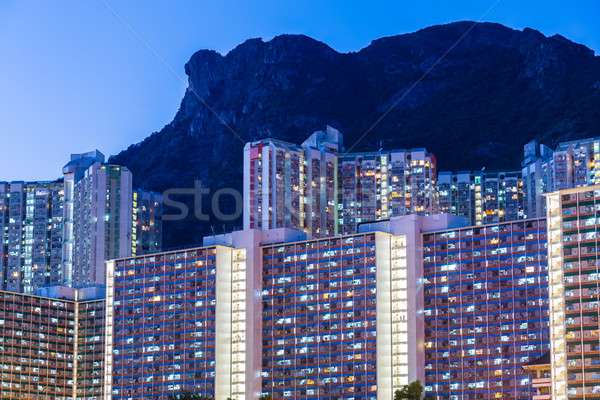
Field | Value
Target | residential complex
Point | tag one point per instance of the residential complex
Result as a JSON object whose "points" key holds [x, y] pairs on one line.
{"points": [[317, 188], [51, 347], [31, 235], [482, 197], [343, 284], [462, 308], [485, 309], [146, 235], [242, 317], [61, 232], [573, 164], [98, 217], [574, 292]]}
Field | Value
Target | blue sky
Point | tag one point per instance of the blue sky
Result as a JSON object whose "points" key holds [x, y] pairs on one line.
{"points": [[73, 77]]}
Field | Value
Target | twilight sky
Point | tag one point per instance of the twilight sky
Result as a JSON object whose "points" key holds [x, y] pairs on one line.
{"points": [[74, 77]]}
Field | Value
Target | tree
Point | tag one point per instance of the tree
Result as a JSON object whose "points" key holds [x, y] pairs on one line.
{"points": [[265, 397], [190, 396], [412, 391]]}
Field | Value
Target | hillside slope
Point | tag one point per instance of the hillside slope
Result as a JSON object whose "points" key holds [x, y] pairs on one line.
{"points": [[493, 92]]}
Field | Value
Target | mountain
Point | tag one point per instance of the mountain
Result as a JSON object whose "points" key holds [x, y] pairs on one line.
{"points": [[471, 95]]}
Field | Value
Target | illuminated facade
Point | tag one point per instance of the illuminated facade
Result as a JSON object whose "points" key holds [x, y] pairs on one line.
{"points": [[574, 292], [482, 197], [242, 318], [342, 317], [573, 164], [146, 235], [291, 186], [90, 349], [377, 186], [49, 346], [320, 319], [98, 215], [354, 316], [485, 309], [178, 321], [318, 189], [31, 233]]}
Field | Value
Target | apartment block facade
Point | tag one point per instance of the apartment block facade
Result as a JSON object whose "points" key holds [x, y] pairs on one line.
{"points": [[319, 325], [574, 292], [90, 356], [573, 164], [31, 235], [104, 218], [290, 186], [485, 309], [318, 189], [178, 322], [146, 234], [45, 344], [482, 197], [377, 186]]}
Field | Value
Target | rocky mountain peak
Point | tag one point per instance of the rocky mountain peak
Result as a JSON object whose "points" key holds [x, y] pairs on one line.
{"points": [[484, 98]]}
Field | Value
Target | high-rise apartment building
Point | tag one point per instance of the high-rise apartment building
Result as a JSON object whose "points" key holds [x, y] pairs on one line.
{"points": [[573, 164], [51, 347], [536, 164], [485, 309], [146, 233], [316, 188], [31, 234], [456, 194], [242, 317], [105, 218], [61, 232], [482, 197], [98, 217], [186, 320], [290, 186], [377, 186], [573, 250], [461, 308]]}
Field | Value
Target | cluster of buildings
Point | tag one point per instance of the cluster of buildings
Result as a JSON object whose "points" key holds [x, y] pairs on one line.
{"points": [[355, 275], [62, 232], [318, 188]]}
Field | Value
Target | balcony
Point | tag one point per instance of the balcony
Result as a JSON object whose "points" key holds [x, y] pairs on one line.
{"points": [[541, 382]]}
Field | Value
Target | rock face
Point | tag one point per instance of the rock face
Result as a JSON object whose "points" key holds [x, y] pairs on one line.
{"points": [[473, 106]]}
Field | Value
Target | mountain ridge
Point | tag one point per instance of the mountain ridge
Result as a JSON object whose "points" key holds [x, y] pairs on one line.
{"points": [[494, 91]]}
